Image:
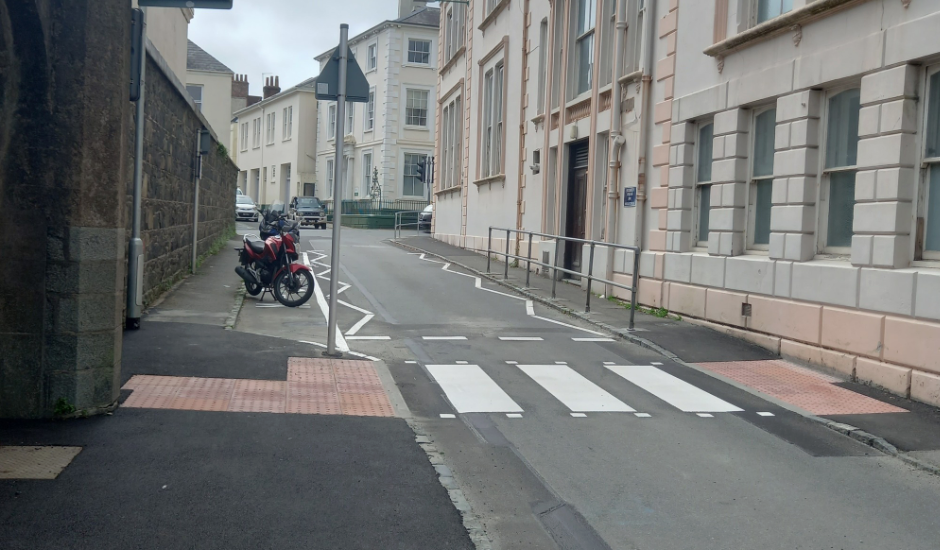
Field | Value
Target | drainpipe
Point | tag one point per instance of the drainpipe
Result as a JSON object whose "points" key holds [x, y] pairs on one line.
{"points": [[522, 122], [646, 100], [616, 142]]}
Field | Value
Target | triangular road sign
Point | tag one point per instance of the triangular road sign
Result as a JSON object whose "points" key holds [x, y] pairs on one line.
{"points": [[357, 87]]}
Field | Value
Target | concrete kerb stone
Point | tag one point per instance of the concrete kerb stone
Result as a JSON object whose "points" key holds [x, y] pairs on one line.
{"points": [[873, 441], [236, 308]]}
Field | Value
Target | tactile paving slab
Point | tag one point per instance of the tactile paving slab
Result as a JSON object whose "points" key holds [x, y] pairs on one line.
{"points": [[313, 386], [35, 462], [809, 390]]}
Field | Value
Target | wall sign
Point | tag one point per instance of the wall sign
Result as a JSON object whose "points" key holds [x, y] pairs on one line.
{"points": [[629, 197]]}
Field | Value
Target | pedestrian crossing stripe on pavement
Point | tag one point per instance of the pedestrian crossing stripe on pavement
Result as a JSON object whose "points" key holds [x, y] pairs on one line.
{"points": [[469, 389], [574, 390], [672, 390]]}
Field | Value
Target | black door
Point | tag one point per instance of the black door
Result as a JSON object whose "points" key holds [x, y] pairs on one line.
{"points": [[576, 215]]}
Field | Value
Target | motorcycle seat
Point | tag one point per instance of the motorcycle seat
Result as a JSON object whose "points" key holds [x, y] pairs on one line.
{"points": [[256, 245]]}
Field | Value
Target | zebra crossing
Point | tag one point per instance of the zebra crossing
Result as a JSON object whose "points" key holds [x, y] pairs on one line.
{"points": [[469, 389]]}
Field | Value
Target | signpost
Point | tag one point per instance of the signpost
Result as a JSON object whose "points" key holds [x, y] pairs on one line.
{"points": [[341, 80]]}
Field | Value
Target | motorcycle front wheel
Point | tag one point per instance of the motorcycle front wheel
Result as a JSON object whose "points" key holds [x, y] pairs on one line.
{"points": [[293, 289]]}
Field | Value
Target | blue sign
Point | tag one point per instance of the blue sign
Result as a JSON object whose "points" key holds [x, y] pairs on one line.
{"points": [[629, 197]]}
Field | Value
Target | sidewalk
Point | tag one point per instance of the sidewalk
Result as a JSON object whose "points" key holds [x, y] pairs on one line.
{"points": [[176, 467], [897, 426]]}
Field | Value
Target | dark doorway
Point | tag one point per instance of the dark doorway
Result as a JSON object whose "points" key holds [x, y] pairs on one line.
{"points": [[575, 210], [310, 189]]}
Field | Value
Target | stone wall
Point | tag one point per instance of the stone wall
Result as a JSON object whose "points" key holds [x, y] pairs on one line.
{"points": [[170, 137]]}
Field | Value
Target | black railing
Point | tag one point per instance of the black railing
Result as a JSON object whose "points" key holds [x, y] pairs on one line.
{"points": [[377, 207]]}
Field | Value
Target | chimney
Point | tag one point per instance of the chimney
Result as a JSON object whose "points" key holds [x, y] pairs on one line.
{"points": [[240, 87], [272, 86], [407, 7]]}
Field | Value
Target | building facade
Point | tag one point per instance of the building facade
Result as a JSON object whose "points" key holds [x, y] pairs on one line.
{"points": [[276, 142], [168, 29], [209, 82], [387, 137], [784, 156]]}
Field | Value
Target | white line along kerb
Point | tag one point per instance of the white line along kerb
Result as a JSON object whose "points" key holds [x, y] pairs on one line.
{"points": [[341, 344]]}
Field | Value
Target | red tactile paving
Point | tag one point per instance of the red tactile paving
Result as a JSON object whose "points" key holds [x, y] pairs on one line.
{"points": [[313, 386], [809, 390]]}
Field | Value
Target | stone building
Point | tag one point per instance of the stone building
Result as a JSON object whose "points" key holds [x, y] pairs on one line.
{"points": [[782, 155], [395, 129]]}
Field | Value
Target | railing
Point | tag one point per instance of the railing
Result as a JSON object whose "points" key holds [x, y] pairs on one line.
{"points": [[604, 101], [578, 111], [400, 221], [376, 207], [556, 269]]}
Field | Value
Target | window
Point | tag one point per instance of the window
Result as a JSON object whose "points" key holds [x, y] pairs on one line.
{"points": [[350, 112], [244, 136], [703, 179], [607, 45], [492, 122], [543, 65], [195, 91], [452, 143], [838, 193], [370, 111], [331, 128], [329, 176], [269, 135], [761, 186], [583, 46], [419, 51], [768, 9], [366, 173], [558, 46], [288, 117], [455, 30], [930, 195], [371, 60], [632, 41], [412, 185], [256, 133], [416, 108]]}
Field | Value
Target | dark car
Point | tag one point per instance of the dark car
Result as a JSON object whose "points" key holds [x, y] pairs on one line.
{"points": [[245, 208], [424, 218], [308, 211]]}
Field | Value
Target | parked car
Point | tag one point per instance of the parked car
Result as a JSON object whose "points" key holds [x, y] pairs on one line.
{"points": [[308, 211], [245, 208], [238, 191], [424, 218]]}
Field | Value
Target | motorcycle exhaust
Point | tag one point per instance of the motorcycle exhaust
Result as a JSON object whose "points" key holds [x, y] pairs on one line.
{"points": [[250, 277]]}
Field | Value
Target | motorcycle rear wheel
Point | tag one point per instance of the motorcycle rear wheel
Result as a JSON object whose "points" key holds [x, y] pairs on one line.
{"points": [[293, 289]]}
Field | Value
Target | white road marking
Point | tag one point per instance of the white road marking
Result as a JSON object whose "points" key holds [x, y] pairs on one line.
{"points": [[521, 338], [567, 325], [609, 363], [529, 308], [765, 414], [578, 415], [593, 339], [462, 362], [469, 389], [348, 337], [305, 306], [642, 415], [672, 390], [341, 344], [561, 362], [448, 416], [705, 415], [411, 362], [512, 362], [655, 363], [443, 337], [513, 415], [574, 390]]}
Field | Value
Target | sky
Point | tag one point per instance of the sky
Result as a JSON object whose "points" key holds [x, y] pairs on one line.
{"points": [[281, 37]]}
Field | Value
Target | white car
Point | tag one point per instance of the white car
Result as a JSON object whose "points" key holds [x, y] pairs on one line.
{"points": [[245, 208]]}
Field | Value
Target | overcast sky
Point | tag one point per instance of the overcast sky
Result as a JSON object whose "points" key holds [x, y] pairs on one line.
{"points": [[281, 37]]}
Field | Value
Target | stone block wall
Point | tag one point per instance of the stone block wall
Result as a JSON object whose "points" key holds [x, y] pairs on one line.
{"points": [[170, 138]]}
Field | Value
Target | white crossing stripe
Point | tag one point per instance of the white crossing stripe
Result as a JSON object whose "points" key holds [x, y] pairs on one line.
{"points": [[593, 339], [443, 337], [672, 390], [521, 338], [574, 390], [765, 414], [469, 389], [348, 337]]}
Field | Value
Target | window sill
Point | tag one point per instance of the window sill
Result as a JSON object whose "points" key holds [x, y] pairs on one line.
{"points": [[417, 65], [372, 70], [492, 15], [448, 191], [628, 78], [538, 119], [453, 60], [776, 26], [417, 128], [926, 263], [498, 178], [286, 140], [583, 96]]}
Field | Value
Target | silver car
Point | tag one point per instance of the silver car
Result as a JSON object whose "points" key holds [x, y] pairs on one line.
{"points": [[245, 208]]}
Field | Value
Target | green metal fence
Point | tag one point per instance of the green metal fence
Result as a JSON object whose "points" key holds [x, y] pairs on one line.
{"points": [[376, 207]]}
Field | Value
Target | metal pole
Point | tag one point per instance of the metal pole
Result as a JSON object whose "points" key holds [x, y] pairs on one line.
{"points": [[528, 263], [337, 190], [135, 249], [196, 206], [489, 245], [636, 273], [587, 304], [555, 269], [506, 267]]}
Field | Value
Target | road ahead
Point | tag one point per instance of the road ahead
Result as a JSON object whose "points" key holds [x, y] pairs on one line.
{"points": [[562, 438]]}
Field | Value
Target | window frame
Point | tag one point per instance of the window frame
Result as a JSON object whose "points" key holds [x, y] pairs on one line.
{"points": [[752, 182], [754, 16], [244, 136], [576, 39], [331, 121], [198, 102], [630, 62], [492, 159], [367, 174], [330, 175], [410, 51], [927, 164], [698, 185], [350, 118], [404, 172], [270, 124], [256, 133], [427, 108], [451, 143], [368, 119], [541, 100], [372, 57], [287, 123], [824, 179]]}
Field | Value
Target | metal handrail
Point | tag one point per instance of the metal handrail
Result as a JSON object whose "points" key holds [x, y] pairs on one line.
{"points": [[556, 269], [399, 224]]}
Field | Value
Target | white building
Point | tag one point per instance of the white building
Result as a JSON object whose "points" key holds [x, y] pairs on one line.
{"points": [[277, 144], [395, 129], [168, 30], [209, 82]]}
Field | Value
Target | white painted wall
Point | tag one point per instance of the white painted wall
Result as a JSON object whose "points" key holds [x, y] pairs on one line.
{"points": [[168, 29], [216, 99]]}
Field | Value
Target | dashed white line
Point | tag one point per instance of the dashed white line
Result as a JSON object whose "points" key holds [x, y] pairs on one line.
{"points": [[348, 337], [578, 415], [642, 415], [411, 362], [561, 362], [512, 362], [462, 362], [593, 339], [444, 415], [705, 415], [443, 337], [655, 363], [513, 415], [521, 338]]}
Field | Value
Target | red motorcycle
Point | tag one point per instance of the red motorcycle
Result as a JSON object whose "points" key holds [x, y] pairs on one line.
{"points": [[268, 266]]}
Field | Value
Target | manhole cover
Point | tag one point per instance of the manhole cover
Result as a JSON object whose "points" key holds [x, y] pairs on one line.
{"points": [[35, 462]]}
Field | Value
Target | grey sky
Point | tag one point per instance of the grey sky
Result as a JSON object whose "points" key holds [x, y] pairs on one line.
{"points": [[282, 37]]}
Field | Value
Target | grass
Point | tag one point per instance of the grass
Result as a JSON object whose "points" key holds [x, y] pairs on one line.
{"points": [[659, 312]]}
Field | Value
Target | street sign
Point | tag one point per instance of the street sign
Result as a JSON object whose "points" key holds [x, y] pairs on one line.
{"points": [[208, 4], [137, 44], [629, 197], [357, 87]]}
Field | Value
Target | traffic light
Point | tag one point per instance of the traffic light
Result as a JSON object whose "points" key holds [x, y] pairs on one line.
{"points": [[421, 170]]}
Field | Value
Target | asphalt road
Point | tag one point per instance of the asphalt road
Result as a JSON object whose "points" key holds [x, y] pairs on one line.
{"points": [[560, 440]]}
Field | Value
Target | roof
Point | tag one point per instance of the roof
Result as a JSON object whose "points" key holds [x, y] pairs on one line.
{"points": [[307, 85], [198, 59], [425, 17]]}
